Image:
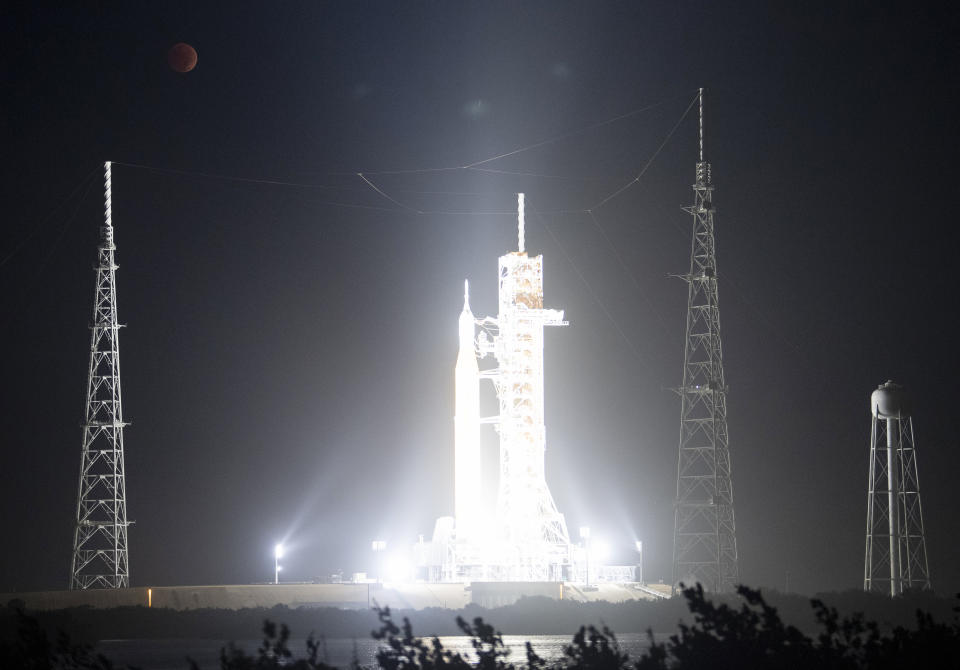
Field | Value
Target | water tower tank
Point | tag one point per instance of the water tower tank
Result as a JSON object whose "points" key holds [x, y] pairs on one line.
{"points": [[890, 401]]}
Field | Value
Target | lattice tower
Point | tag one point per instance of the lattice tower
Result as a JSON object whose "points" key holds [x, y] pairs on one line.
{"points": [[896, 549], [528, 518], [100, 558], [704, 539]]}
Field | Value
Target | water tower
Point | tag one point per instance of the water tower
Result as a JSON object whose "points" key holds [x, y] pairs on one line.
{"points": [[896, 551]]}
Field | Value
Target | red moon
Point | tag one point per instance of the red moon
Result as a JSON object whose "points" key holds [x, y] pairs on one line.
{"points": [[182, 57]]}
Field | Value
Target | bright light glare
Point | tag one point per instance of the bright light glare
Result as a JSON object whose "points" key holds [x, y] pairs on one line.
{"points": [[584, 532], [639, 546], [279, 568], [600, 550], [278, 551], [378, 545], [398, 570]]}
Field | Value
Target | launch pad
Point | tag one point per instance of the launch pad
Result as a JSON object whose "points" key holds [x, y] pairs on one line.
{"points": [[525, 537]]}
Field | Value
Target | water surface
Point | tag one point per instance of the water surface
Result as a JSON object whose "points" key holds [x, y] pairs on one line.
{"points": [[172, 653]]}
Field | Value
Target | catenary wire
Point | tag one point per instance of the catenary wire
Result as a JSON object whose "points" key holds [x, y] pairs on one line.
{"points": [[46, 218], [606, 199], [563, 137], [593, 294], [649, 162], [626, 269], [522, 149], [473, 166], [66, 226], [391, 199], [540, 175], [223, 177]]}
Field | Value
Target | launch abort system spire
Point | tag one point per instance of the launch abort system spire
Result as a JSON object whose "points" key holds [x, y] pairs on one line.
{"points": [[704, 537], [896, 552], [100, 557]]}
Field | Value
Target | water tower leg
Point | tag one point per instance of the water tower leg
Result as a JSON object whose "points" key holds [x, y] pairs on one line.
{"points": [[893, 431]]}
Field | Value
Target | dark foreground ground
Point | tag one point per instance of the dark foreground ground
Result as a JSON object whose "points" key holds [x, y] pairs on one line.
{"points": [[848, 631]]}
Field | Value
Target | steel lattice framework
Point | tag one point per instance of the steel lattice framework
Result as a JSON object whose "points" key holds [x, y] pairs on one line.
{"points": [[896, 548], [704, 539], [100, 558], [535, 543]]}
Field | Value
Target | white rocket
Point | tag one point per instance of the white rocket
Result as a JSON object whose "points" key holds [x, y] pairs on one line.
{"points": [[467, 487]]}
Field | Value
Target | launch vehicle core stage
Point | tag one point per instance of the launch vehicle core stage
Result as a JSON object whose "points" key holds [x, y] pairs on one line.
{"points": [[468, 464]]}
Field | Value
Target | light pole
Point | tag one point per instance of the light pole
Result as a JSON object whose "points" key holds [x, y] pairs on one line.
{"points": [[378, 547], [585, 536], [640, 551], [277, 555]]}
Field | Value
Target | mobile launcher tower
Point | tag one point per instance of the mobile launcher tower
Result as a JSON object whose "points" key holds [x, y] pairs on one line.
{"points": [[525, 539]]}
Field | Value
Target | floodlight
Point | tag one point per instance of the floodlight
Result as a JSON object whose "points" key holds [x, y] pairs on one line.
{"points": [[277, 555], [640, 566]]}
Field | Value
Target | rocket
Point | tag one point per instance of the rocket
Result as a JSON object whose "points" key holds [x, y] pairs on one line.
{"points": [[467, 460]]}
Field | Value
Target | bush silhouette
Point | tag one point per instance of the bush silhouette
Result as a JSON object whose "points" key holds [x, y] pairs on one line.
{"points": [[755, 637], [34, 649], [721, 636]]}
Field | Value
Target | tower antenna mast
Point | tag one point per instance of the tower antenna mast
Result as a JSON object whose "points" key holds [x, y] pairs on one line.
{"points": [[521, 224], [704, 537], [100, 558], [700, 123]]}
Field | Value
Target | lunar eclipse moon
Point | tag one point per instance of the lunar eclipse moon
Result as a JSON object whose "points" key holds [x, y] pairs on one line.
{"points": [[182, 57]]}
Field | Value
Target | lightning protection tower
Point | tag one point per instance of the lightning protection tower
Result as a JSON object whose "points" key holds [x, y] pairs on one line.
{"points": [[100, 558], [896, 552], [704, 537]]}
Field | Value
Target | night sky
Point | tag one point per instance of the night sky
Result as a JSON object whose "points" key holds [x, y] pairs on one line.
{"points": [[287, 365]]}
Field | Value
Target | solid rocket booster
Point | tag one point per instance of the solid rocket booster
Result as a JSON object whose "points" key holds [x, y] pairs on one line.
{"points": [[467, 459]]}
